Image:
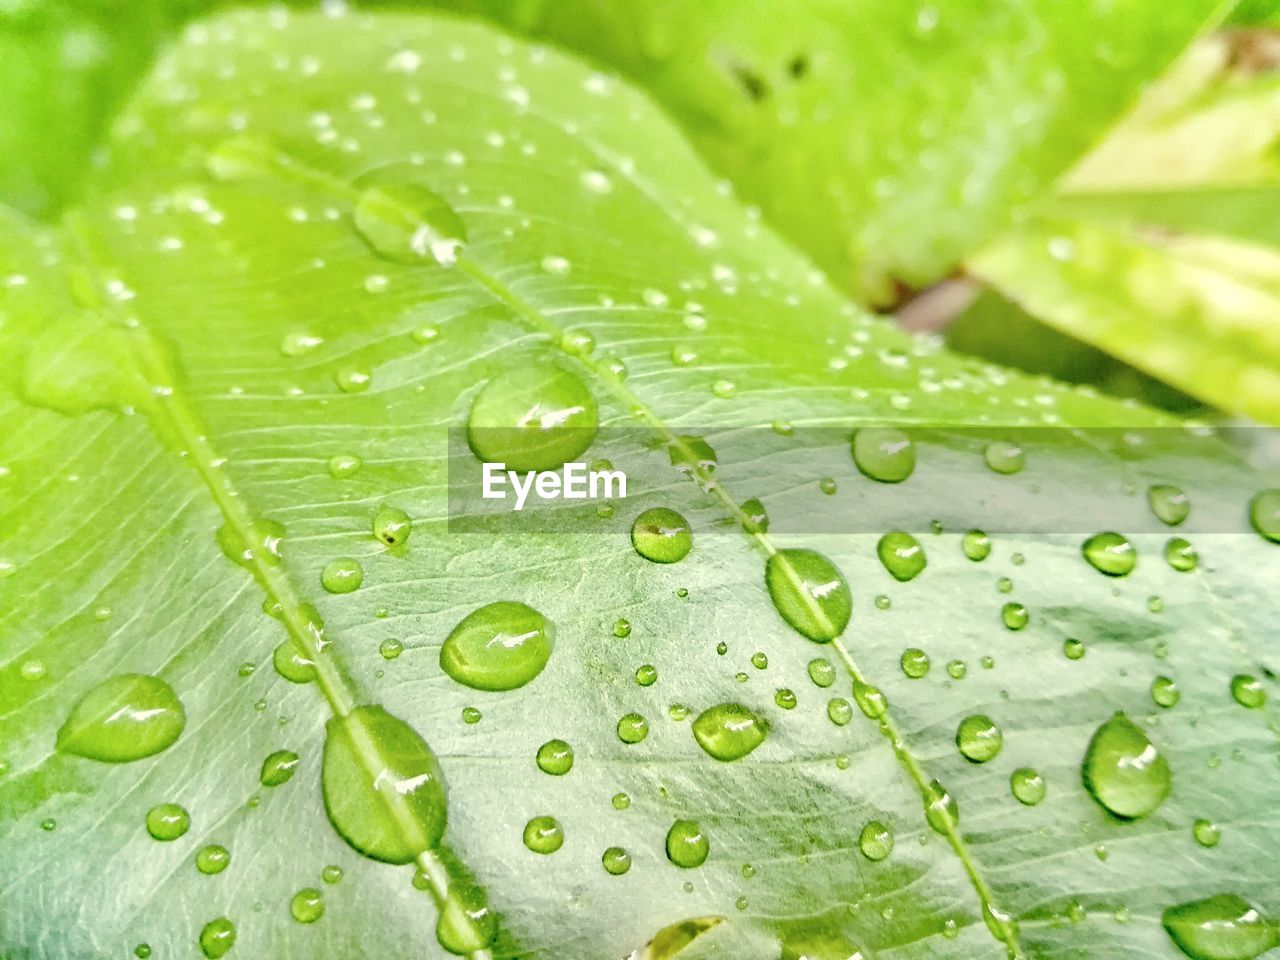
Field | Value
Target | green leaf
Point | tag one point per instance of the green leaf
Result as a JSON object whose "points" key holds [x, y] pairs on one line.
{"points": [[221, 383], [886, 139]]}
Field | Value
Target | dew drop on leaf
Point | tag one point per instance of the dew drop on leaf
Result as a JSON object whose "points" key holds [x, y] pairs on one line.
{"points": [[1248, 691], [839, 711], [729, 731], [616, 861], [1222, 927], [621, 628], [500, 646], [279, 767], [408, 223], [536, 417], [754, 517], [126, 717], [1168, 503], [353, 379], [212, 859], [809, 592], [390, 648], [687, 845], [689, 454], [902, 555], [217, 938], [661, 535], [1028, 786], [821, 672], [785, 698], [1124, 771], [260, 545], [1110, 553], [392, 525], [915, 662], [976, 545], [331, 874], [646, 675], [344, 465], [1206, 833], [382, 786], [1264, 514], [978, 738], [1165, 692], [543, 835], [884, 454], [168, 821], [870, 700], [466, 924], [342, 575], [876, 840], [1014, 616], [555, 757], [632, 728], [1181, 555], [940, 808], [291, 663], [307, 905], [1004, 457]]}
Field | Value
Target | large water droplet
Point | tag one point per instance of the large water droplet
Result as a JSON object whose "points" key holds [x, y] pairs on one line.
{"points": [[616, 861], [661, 535], [632, 728], [291, 663], [168, 821], [342, 575], [555, 757], [382, 786], [687, 845], [915, 662], [809, 592], [307, 905], [408, 223], [543, 835], [1028, 786], [392, 525], [978, 738], [1222, 927], [1110, 553], [1248, 691], [213, 858], [501, 646], [884, 454], [901, 555], [976, 545], [1181, 555], [1124, 771], [124, 718], [537, 417], [729, 731], [1264, 514], [217, 937]]}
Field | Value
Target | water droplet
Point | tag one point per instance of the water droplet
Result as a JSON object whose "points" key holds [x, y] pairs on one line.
{"points": [[809, 592], [466, 924], [142, 951], [876, 840], [1165, 692], [1004, 585], [884, 454], [1168, 503], [501, 646], [124, 718], [915, 662], [691, 454], [621, 801], [901, 555], [1004, 458], [1222, 927], [555, 265], [871, 701], [331, 874], [1206, 833], [1015, 616], [213, 858], [344, 465], [1124, 771], [471, 715], [940, 808], [956, 669], [978, 738], [32, 670], [1028, 786], [1110, 553], [577, 342], [407, 223], [785, 698], [426, 333], [687, 845], [821, 672], [646, 675], [1248, 691], [291, 663], [760, 660], [839, 711], [729, 731], [621, 628], [382, 786], [1181, 555], [392, 525], [342, 575], [1264, 514], [536, 417], [298, 343], [754, 517], [616, 861], [976, 545], [390, 648], [632, 728], [353, 379], [307, 905], [262, 544], [168, 821], [217, 937], [543, 835], [724, 389], [555, 757], [661, 535], [278, 768]]}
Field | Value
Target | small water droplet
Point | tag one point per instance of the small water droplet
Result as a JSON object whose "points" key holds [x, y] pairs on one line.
{"points": [[915, 662], [616, 861], [621, 628], [501, 646], [661, 535], [124, 718], [168, 821], [1072, 648], [407, 223], [331, 874], [543, 835], [353, 379], [471, 715], [884, 454], [279, 767], [555, 757], [344, 465], [392, 525], [729, 731], [213, 858], [1264, 514], [632, 728], [821, 672], [871, 701], [1110, 553], [1015, 616], [1124, 771], [217, 937], [621, 801], [1165, 692], [1248, 691], [1028, 786], [687, 845], [1181, 555], [902, 555], [976, 545], [577, 342], [307, 905], [839, 711], [940, 808], [1004, 458], [1206, 833], [1168, 503], [342, 575], [785, 698], [390, 648], [876, 840], [298, 343], [978, 738]]}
